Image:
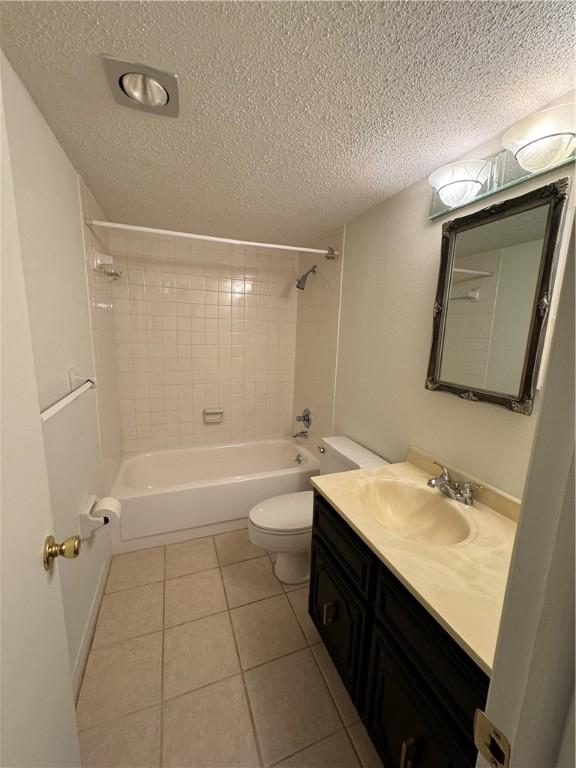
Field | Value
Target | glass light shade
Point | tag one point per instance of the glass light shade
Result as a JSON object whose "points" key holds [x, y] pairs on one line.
{"points": [[458, 183], [544, 139]]}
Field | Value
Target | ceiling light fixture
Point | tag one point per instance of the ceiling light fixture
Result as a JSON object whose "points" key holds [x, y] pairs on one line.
{"points": [[142, 87], [458, 183], [544, 139]]}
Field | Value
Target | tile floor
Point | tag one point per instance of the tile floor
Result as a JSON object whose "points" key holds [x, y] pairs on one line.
{"points": [[202, 658]]}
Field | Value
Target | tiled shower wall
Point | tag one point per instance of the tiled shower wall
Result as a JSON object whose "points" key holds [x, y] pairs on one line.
{"points": [[202, 325], [317, 337]]}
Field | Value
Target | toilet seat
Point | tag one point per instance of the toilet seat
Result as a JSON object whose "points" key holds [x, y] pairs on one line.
{"points": [[285, 515]]}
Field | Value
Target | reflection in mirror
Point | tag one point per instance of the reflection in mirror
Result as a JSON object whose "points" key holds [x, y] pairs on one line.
{"points": [[493, 296], [492, 287]]}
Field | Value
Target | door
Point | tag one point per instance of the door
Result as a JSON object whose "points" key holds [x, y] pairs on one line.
{"points": [[37, 705], [530, 698]]}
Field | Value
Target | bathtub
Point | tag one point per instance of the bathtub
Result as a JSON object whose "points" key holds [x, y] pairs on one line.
{"points": [[193, 488]]}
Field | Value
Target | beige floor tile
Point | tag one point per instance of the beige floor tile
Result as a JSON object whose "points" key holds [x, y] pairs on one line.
{"points": [[135, 569], [130, 613], [130, 742], [190, 557], [209, 728], [294, 587], [193, 597], [120, 679], [339, 693], [198, 653], [249, 581], [299, 600], [291, 705], [363, 744], [334, 752], [236, 546], [265, 630]]}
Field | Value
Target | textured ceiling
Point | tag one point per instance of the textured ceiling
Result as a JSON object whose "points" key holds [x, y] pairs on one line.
{"points": [[294, 117]]}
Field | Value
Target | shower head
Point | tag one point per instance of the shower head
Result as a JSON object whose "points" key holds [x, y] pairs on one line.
{"points": [[301, 282]]}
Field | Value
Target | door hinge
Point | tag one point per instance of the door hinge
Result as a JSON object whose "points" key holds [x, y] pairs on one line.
{"points": [[490, 742]]}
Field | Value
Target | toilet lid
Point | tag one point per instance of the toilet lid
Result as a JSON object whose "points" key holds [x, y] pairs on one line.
{"points": [[288, 513]]}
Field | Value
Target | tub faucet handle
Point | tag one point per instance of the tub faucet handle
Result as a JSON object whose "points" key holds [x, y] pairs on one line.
{"points": [[305, 417]]}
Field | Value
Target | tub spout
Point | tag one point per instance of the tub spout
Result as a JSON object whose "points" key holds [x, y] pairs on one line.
{"points": [[303, 433]]}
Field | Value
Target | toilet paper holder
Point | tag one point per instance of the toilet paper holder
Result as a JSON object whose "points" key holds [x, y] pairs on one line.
{"points": [[96, 513]]}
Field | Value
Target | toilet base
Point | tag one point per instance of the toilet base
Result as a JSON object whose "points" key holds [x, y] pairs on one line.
{"points": [[292, 567]]}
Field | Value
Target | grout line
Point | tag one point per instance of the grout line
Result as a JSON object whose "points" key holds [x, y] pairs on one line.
{"points": [[200, 687], [309, 746], [243, 677], [324, 680], [354, 749]]}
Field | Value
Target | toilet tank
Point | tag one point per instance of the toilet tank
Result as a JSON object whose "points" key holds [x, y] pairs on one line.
{"points": [[342, 454]]}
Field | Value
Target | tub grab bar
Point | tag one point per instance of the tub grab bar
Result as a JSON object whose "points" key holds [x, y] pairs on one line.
{"points": [[60, 404]]}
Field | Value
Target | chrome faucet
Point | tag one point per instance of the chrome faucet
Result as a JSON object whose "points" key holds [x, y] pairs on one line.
{"points": [[464, 493], [303, 433]]}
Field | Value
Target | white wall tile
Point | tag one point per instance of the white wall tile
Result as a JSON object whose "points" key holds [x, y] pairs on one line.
{"points": [[196, 328]]}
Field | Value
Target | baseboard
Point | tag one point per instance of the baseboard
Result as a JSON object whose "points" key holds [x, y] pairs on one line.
{"points": [[87, 635]]}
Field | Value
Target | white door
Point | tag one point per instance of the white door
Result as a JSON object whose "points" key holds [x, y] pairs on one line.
{"points": [[37, 705], [532, 688]]}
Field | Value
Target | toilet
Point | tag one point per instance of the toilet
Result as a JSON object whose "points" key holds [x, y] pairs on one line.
{"points": [[283, 524]]}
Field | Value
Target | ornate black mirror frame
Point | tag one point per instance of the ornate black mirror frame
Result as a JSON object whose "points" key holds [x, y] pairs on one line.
{"points": [[555, 194]]}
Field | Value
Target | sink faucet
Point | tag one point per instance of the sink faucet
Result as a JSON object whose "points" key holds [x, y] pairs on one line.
{"points": [[464, 493]]}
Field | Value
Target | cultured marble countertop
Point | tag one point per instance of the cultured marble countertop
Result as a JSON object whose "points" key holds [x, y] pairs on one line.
{"points": [[462, 585]]}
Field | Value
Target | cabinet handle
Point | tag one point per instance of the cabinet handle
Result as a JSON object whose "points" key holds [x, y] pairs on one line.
{"points": [[407, 753], [328, 613]]}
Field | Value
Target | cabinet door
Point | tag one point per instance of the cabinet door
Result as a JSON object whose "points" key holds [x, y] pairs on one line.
{"points": [[339, 617], [401, 720]]}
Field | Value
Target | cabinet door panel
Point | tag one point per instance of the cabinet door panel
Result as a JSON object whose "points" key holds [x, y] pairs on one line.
{"points": [[339, 617], [402, 722], [449, 671]]}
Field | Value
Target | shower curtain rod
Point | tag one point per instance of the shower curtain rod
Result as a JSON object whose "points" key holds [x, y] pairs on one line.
{"points": [[329, 253]]}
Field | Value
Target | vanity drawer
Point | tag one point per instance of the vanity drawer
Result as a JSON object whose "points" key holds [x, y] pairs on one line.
{"points": [[451, 674], [349, 551]]}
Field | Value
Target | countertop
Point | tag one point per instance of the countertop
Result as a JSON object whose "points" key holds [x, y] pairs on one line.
{"points": [[462, 585]]}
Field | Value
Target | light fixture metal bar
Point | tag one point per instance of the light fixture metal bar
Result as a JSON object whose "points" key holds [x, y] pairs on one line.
{"points": [[329, 253]]}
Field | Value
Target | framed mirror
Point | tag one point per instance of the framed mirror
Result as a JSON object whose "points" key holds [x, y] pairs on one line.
{"points": [[493, 297]]}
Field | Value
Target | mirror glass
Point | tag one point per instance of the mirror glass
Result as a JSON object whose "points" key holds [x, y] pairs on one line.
{"points": [[491, 291]]}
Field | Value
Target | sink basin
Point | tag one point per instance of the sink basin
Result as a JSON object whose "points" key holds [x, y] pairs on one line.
{"points": [[413, 510]]}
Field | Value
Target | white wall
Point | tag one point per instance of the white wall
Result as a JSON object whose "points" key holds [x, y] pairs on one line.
{"points": [[104, 343], [49, 219], [389, 282], [317, 337], [517, 278]]}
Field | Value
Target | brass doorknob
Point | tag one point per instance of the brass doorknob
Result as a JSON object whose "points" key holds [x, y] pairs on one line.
{"points": [[69, 548]]}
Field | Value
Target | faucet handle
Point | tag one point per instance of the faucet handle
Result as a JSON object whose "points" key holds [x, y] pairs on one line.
{"points": [[443, 477], [445, 474], [470, 486]]}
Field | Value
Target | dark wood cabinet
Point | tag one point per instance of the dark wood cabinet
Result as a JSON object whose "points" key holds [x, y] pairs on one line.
{"points": [[415, 688], [341, 615]]}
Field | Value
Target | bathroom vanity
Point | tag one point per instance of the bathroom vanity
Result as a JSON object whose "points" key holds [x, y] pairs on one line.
{"points": [[414, 675]]}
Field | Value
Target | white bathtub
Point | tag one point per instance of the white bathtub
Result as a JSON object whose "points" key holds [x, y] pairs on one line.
{"points": [[171, 491]]}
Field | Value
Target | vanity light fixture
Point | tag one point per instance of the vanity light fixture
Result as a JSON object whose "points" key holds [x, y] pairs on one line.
{"points": [[458, 183], [142, 87], [544, 139]]}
